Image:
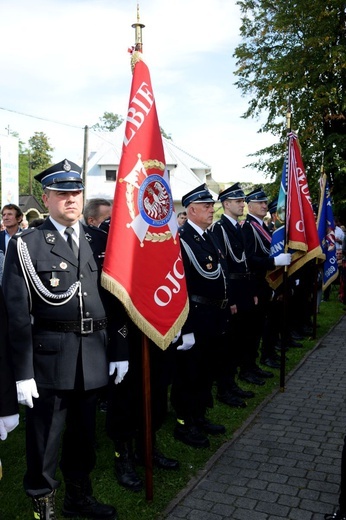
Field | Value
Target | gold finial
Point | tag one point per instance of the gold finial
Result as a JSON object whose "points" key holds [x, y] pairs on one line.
{"points": [[138, 26]]}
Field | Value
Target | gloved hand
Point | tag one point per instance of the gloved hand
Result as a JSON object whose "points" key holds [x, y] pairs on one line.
{"points": [[188, 341], [122, 369], [175, 339], [283, 259], [26, 390], [7, 424]]}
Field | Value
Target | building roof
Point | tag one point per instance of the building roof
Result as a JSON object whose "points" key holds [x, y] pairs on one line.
{"points": [[186, 171]]}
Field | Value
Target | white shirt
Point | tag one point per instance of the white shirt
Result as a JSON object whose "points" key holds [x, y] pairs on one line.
{"points": [[61, 228]]}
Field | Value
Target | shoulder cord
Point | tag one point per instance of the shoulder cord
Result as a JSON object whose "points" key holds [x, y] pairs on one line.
{"points": [[230, 250], [206, 274], [259, 240], [30, 274]]}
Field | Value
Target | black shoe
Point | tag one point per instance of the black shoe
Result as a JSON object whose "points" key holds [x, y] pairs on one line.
{"points": [[208, 427], [191, 436], [295, 344], [270, 362], [125, 472], [236, 391], [163, 462], [261, 373], [296, 335], [252, 379], [335, 516], [44, 507], [231, 400], [79, 502]]}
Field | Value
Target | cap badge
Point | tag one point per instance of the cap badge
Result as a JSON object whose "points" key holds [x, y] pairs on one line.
{"points": [[67, 167]]}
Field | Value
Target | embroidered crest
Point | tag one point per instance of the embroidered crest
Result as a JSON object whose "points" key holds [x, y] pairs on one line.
{"points": [[149, 201], [50, 237]]}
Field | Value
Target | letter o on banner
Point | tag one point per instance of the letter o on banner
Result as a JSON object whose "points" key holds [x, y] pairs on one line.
{"points": [[165, 290]]}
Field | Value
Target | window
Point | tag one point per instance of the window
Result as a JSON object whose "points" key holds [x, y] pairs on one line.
{"points": [[111, 175]]}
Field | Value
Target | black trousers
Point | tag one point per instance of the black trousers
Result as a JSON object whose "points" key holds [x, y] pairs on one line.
{"points": [[70, 414], [196, 371]]}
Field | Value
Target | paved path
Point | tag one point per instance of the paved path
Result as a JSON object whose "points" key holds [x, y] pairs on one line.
{"points": [[285, 463]]}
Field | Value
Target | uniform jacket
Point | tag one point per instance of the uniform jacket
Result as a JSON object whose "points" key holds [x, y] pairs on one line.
{"points": [[48, 356], [2, 241], [204, 319], [8, 392], [242, 290], [257, 249]]}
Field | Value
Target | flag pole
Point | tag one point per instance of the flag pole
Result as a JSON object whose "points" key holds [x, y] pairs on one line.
{"points": [[146, 386], [284, 341]]}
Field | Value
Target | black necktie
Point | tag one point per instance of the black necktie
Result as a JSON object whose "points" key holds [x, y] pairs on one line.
{"points": [[71, 242]]}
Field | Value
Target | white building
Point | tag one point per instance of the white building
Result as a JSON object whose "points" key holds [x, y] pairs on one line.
{"points": [[186, 171]]}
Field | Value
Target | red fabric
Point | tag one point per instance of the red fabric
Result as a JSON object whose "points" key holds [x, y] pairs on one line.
{"points": [[143, 265], [301, 230]]}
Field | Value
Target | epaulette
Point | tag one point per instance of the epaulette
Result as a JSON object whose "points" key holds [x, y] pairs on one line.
{"points": [[23, 232], [97, 229]]}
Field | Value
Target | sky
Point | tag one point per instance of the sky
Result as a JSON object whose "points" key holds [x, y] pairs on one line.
{"points": [[63, 63]]}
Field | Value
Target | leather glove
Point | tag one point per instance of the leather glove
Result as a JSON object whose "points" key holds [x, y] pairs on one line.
{"points": [[122, 369], [283, 259], [188, 341], [26, 390], [7, 424]]}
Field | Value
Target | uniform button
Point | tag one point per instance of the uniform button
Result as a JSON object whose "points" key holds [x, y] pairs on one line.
{"points": [[87, 314], [81, 276], [85, 293]]}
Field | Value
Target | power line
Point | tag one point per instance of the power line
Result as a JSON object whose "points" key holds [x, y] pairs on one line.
{"points": [[41, 118]]}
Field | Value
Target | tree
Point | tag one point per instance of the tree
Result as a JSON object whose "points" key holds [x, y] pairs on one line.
{"points": [[294, 51], [108, 122], [39, 157]]}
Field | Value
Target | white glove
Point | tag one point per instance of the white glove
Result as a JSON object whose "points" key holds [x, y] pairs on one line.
{"points": [[188, 341], [26, 390], [283, 259], [7, 424], [122, 369], [175, 339]]}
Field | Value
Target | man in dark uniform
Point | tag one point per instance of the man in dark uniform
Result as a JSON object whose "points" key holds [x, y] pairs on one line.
{"points": [[58, 337], [9, 417], [203, 333], [257, 239], [243, 299]]}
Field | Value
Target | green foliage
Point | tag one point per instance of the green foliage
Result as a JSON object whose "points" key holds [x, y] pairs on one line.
{"points": [[293, 53], [108, 122], [14, 505]]}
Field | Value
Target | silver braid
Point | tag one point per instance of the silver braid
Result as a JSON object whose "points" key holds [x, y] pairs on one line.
{"points": [[30, 273], [230, 250], [206, 274]]}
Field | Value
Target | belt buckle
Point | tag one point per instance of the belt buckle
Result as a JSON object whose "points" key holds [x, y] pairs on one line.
{"points": [[87, 325], [224, 304]]}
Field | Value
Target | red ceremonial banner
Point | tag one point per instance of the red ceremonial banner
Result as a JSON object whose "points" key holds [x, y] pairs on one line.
{"points": [[302, 238], [143, 265]]}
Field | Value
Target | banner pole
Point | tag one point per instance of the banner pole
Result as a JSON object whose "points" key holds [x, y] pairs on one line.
{"points": [[284, 341], [148, 438]]}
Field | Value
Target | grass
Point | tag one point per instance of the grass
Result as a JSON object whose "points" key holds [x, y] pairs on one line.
{"points": [[14, 505]]}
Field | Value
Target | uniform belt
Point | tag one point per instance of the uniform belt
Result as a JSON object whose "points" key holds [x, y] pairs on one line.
{"points": [[241, 276], [85, 326], [209, 301]]}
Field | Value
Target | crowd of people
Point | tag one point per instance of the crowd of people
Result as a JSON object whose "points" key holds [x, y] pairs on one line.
{"points": [[73, 346]]}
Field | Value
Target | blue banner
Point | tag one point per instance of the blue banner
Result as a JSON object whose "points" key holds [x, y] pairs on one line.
{"points": [[326, 233]]}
